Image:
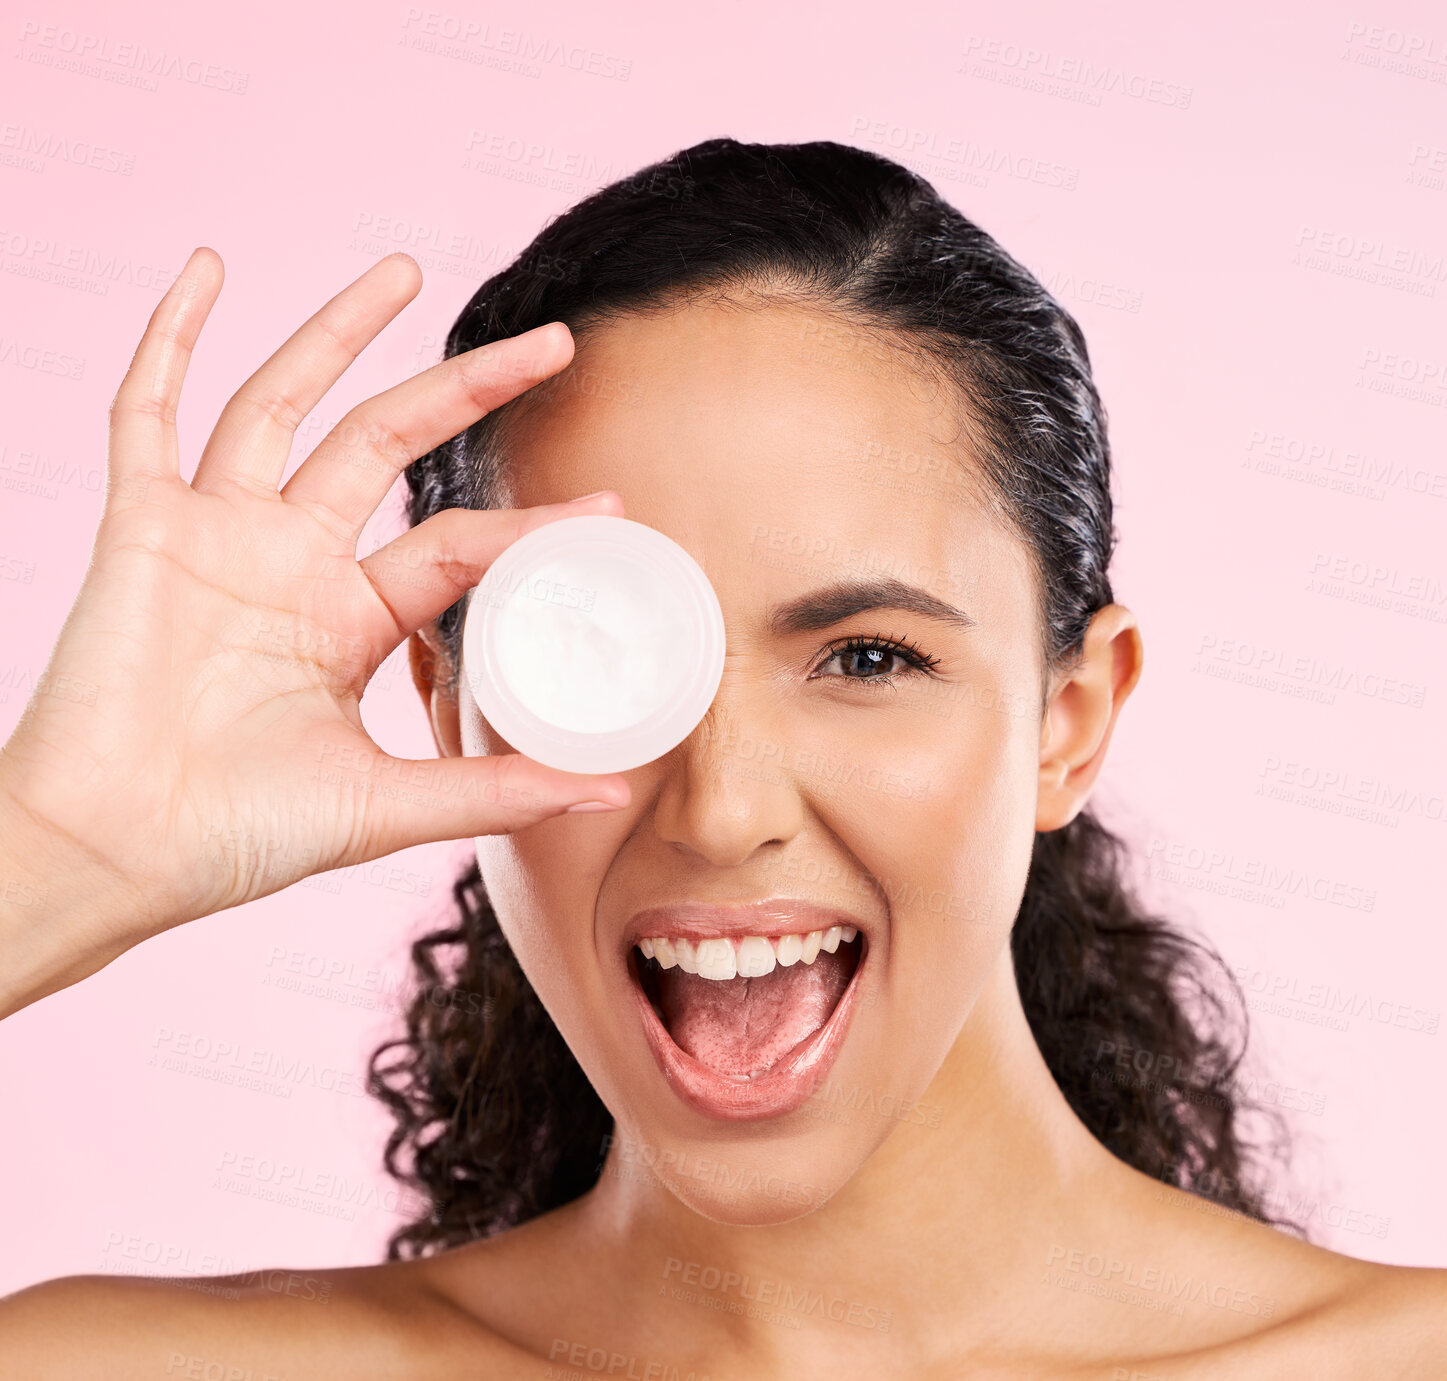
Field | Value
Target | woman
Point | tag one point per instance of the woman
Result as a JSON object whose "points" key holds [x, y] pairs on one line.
{"points": [[924, 1152]]}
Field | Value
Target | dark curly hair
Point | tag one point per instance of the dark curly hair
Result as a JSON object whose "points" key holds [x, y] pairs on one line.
{"points": [[495, 1120]]}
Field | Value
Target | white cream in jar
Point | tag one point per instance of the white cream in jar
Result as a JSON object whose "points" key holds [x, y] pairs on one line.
{"points": [[593, 644]]}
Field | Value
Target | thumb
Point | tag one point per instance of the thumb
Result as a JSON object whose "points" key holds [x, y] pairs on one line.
{"points": [[422, 801]]}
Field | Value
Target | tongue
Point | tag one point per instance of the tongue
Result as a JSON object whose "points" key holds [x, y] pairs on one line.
{"points": [[743, 1025]]}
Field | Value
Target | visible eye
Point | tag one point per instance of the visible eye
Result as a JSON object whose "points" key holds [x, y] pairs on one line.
{"points": [[870, 659]]}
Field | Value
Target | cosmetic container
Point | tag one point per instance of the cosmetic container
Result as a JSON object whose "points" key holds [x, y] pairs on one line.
{"points": [[593, 644]]}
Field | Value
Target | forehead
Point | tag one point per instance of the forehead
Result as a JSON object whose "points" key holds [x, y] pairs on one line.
{"points": [[781, 444]]}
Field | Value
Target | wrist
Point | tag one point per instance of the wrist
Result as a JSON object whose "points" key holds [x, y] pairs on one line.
{"points": [[65, 912]]}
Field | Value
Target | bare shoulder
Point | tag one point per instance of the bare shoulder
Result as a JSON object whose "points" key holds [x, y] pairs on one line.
{"points": [[1382, 1321], [1226, 1295], [271, 1324], [1336, 1316], [1401, 1311]]}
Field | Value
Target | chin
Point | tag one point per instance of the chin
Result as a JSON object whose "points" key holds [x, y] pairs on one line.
{"points": [[743, 1183]]}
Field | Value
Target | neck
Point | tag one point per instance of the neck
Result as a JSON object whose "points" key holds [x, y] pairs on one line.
{"points": [[917, 1242]]}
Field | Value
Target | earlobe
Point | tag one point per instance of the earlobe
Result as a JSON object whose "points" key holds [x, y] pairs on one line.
{"points": [[1082, 714]]}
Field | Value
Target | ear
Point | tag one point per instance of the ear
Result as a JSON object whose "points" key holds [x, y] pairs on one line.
{"points": [[1081, 714], [432, 675]]}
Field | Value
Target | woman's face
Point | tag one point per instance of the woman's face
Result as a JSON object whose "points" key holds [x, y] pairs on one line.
{"points": [[791, 455]]}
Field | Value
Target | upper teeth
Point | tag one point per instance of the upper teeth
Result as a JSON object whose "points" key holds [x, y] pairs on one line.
{"points": [[751, 957]]}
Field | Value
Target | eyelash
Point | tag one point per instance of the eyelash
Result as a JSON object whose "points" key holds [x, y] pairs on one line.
{"points": [[918, 659]]}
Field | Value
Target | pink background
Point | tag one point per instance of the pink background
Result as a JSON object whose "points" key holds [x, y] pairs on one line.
{"points": [[1245, 214]]}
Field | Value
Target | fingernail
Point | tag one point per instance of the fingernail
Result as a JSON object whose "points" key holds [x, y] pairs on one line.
{"points": [[594, 495], [588, 807]]}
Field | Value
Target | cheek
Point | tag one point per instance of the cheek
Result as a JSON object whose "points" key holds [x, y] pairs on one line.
{"points": [[479, 738], [521, 872], [543, 884], [543, 895], [940, 811]]}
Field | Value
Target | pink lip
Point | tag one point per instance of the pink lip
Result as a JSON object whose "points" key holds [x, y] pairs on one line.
{"points": [[789, 1084]]}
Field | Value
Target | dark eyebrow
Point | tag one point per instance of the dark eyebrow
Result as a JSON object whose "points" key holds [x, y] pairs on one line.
{"points": [[831, 604]]}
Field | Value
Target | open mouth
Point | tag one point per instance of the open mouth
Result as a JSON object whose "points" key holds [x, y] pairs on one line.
{"points": [[747, 1027]]}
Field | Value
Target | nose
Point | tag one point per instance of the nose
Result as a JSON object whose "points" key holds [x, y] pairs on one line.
{"points": [[724, 796]]}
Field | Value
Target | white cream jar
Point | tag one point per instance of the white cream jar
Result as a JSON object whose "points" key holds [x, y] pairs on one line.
{"points": [[593, 644]]}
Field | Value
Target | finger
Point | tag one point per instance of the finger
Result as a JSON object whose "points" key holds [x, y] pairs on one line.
{"points": [[428, 800], [252, 439], [143, 412], [431, 566], [353, 468]]}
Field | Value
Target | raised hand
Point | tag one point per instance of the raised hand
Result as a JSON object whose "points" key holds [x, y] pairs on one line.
{"points": [[225, 631]]}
